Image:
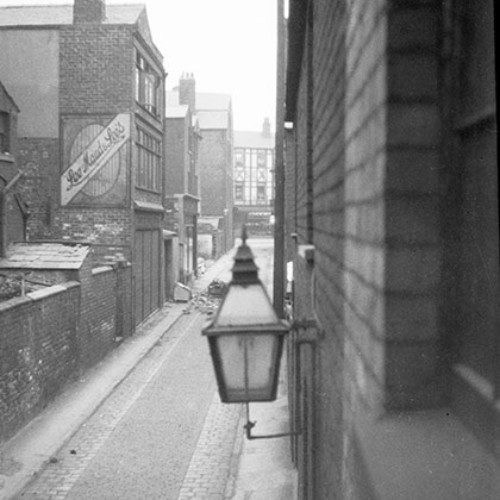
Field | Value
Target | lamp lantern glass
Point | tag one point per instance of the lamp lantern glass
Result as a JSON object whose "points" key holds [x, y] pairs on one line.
{"points": [[246, 336]]}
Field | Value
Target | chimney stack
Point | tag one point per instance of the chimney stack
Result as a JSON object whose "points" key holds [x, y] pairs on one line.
{"points": [[266, 128], [89, 11], [187, 91]]}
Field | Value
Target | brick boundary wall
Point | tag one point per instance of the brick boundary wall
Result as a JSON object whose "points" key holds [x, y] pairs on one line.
{"points": [[49, 337], [38, 355]]}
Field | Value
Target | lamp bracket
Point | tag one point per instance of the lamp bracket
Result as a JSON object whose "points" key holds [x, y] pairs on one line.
{"points": [[250, 425], [307, 331]]}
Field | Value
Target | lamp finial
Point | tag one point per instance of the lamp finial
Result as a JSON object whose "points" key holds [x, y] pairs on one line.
{"points": [[244, 269]]}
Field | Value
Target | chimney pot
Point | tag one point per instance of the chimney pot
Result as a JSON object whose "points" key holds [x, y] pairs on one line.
{"points": [[266, 128], [89, 11], [187, 91]]}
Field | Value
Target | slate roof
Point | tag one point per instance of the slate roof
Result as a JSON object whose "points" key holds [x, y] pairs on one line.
{"points": [[44, 256], [255, 140], [55, 15]]}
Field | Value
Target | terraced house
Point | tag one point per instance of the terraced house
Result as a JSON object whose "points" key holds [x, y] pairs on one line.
{"points": [[90, 83]]}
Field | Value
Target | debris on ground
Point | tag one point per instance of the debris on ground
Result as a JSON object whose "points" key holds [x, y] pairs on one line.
{"points": [[217, 288], [204, 303], [182, 293]]}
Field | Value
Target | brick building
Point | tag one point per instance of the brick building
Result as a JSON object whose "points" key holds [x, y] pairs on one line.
{"points": [[253, 179], [90, 83], [13, 210], [182, 183], [391, 220], [215, 153]]}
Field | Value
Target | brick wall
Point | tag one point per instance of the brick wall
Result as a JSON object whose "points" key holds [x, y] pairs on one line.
{"points": [[176, 155], [50, 336], [328, 160], [415, 374], [96, 69], [38, 160], [367, 140], [213, 155], [38, 335]]}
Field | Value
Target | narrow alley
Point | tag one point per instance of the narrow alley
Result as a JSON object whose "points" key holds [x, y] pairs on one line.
{"points": [[162, 432]]}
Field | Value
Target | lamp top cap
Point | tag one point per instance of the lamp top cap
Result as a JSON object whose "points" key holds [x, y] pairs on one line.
{"points": [[245, 271]]}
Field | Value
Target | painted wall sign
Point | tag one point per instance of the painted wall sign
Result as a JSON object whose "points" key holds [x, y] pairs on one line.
{"points": [[96, 155]]}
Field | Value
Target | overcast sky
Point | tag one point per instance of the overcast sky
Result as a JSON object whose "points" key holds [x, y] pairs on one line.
{"points": [[229, 45]]}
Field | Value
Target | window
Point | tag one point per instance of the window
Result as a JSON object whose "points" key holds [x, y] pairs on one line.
{"points": [[239, 157], [261, 158], [240, 174], [148, 174], [238, 192], [261, 194], [261, 175], [4, 132], [147, 86]]}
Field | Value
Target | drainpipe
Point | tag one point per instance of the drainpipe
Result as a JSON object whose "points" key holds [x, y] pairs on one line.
{"points": [[3, 214], [279, 198]]}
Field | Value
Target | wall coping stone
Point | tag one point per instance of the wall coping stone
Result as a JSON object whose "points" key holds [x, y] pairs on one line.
{"points": [[37, 295], [103, 269]]}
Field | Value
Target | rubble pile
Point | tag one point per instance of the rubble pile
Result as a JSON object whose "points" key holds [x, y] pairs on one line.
{"points": [[209, 300], [217, 288], [205, 303]]}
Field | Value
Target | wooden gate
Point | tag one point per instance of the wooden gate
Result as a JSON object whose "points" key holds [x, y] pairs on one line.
{"points": [[146, 273]]}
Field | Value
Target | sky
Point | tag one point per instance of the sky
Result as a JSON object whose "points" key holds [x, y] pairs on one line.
{"points": [[229, 46]]}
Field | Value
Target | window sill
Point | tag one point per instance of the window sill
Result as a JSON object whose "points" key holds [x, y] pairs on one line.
{"points": [[427, 454], [7, 157], [150, 113]]}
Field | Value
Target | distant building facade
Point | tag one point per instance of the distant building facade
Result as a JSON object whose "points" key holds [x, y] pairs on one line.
{"points": [[13, 210], [391, 206], [215, 154], [91, 90], [253, 180], [182, 184]]}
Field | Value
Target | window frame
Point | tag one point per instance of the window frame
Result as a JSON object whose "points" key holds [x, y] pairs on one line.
{"points": [[149, 159], [5, 139]]}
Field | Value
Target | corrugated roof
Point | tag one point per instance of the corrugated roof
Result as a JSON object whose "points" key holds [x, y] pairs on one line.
{"points": [[55, 15], [247, 139], [213, 120], [44, 256]]}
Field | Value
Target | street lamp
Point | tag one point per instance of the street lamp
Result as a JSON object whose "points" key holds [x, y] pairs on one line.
{"points": [[246, 336]]}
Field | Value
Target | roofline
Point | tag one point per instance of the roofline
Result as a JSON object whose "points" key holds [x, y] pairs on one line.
{"points": [[11, 99], [296, 29]]}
